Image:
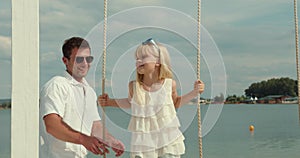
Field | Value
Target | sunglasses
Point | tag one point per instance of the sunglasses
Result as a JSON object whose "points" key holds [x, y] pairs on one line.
{"points": [[80, 59], [151, 41]]}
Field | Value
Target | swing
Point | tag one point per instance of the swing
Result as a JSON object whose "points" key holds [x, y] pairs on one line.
{"points": [[104, 65], [297, 54], [198, 72]]}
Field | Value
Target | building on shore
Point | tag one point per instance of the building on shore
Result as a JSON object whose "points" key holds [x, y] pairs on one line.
{"points": [[290, 100], [272, 99]]}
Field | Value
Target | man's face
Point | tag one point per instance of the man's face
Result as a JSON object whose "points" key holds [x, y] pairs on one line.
{"points": [[79, 63]]}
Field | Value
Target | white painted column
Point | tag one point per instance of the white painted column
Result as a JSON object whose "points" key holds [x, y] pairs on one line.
{"points": [[25, 79]]}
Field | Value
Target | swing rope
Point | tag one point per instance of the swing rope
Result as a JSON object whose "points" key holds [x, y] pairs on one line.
{"points": [[198, 77], [104, 66], [297, 53], [198, 72]]}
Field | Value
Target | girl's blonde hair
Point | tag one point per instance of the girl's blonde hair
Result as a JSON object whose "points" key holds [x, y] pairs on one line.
{"points": [[161, 54]]}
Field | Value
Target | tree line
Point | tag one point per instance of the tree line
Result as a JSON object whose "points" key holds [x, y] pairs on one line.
{"points": [[6, 105], [274, 86]]}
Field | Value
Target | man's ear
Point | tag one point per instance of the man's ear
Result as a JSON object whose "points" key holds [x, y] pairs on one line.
{"points": [[157, 64], [65, 60]]}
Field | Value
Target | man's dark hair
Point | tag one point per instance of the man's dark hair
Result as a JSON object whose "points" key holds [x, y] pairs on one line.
{"points": [[74, 42]]}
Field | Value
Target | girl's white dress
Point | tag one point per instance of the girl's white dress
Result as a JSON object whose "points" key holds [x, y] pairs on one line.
{"points": [[154, 123]]}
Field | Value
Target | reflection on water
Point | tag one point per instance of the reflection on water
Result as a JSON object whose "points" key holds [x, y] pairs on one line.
{"points": [[275, 144], [4, 133]]}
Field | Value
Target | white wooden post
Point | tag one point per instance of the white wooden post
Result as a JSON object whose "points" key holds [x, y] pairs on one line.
{"points": [[25, 79]]}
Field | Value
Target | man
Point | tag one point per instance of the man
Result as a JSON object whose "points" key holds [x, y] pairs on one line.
{"points": [[69, 120]]}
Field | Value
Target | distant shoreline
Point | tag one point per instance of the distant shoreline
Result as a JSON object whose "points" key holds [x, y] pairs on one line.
{"points": [[2, 108], [5, 104]]}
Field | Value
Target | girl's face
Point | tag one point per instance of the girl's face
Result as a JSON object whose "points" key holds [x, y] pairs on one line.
{"points": [[146, 64]]}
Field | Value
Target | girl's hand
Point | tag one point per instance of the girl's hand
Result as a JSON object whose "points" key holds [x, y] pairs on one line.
{"points": [[103, 100], [199, 86]]}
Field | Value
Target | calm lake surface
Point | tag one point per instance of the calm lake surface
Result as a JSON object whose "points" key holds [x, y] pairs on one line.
{"points": [[276, 135]]}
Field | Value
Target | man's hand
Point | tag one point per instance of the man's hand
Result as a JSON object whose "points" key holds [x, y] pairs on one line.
{"points": [[118, 147], [94, 145]]}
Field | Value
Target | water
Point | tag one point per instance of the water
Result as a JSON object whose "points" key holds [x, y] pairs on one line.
{"points": [[276, 135], [4, 133]]}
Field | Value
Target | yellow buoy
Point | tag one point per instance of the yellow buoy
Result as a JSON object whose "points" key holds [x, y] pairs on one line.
{"points": [[251, 128]]}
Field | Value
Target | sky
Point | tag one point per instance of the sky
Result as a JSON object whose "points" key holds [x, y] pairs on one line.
{"points": [[253, 40]]}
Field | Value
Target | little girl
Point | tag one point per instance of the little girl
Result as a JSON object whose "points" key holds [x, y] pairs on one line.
{"points": [[153, 99]]}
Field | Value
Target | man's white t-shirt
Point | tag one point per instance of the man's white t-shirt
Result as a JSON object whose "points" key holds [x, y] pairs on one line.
{"points": [[76, 103]]}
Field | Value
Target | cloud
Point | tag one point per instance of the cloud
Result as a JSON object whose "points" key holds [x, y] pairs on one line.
{"points": [[255, 37], [60, 20], [243, 73], [50, 65], [5, 47], [49, 57], [250, 22], [234, 11], [5, 79], [116, 6], [256, 40], [5, 15]]}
